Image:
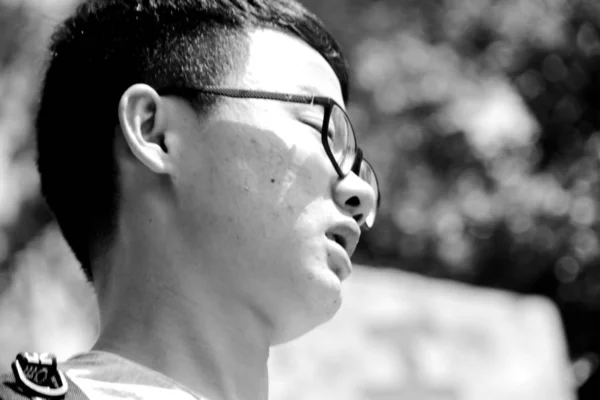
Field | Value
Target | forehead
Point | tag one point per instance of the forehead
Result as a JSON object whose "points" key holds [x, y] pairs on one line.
{"points": [[280, 62]]}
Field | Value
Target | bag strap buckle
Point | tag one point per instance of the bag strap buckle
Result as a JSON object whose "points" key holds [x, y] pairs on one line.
{"points": [[39, 375]]}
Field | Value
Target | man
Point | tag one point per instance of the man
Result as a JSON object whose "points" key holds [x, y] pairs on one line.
{"points": [[199, 161]]}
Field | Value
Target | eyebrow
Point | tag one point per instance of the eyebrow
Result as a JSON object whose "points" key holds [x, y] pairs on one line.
{"points": [[311, 90]]}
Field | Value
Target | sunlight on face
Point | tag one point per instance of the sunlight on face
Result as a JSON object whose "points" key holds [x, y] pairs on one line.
{"points": [[255, 186], [281, 63]]}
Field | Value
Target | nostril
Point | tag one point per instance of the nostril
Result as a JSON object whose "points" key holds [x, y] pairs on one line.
{"points": [[353, 201], [357, 217]]}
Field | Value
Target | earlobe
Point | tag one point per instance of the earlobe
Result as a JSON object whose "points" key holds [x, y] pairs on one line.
{"points": [[142, 117]]}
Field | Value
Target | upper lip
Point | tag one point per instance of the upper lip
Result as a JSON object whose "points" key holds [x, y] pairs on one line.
{"points": [[346, 234]]}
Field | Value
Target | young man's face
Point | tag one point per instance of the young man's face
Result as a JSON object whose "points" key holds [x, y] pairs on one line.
{"points": [[259, 200]]}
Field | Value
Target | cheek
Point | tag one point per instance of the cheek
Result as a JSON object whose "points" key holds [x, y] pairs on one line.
{"points": [[280, 166], [245, 184]]}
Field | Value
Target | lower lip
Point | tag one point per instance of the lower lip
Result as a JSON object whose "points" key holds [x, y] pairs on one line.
{"points": [[340, 259]]}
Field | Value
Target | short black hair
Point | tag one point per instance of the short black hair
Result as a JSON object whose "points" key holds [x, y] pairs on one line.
{"points": [[107, 46]]}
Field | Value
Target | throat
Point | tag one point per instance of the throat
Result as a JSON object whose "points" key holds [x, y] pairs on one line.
{"points": [[213, 346]]}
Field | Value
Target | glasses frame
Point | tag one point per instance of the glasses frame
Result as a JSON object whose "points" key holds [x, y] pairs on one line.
{"points": [[327, 103]]}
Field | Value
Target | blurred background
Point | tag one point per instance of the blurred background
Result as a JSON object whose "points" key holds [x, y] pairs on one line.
{"points": [[480, 116]]}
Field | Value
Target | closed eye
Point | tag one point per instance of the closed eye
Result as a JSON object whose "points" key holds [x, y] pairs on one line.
{"points": [[318, 128], [330, 132]]}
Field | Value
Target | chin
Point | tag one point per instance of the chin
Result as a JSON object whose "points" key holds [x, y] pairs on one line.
{"points": [[319, 309]]}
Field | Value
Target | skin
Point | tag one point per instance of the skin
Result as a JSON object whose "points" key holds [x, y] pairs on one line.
{"points": [[223, 246]]}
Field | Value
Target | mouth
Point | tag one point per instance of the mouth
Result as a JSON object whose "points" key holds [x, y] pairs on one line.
{"points": [[342, 240], [339, 239], [339, 259]]}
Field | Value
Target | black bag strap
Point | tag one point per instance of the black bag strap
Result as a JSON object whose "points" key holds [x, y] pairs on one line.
{"points": [[36, 376]]}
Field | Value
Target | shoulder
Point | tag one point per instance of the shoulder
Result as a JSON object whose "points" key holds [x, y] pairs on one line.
{"points": [[91, 375], [105, 375]]}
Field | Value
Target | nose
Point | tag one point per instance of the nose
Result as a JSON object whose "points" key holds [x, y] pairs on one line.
{"points": [[355, 196]]}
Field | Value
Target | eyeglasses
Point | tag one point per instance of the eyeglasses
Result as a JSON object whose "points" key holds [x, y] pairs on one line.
{"points": [[337, 134]]}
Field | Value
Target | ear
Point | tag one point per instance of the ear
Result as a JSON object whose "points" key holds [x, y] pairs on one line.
{"points": [[143, 121]]}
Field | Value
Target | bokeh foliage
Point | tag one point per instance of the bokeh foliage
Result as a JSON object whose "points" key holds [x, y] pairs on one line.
{"points": [[481, 117]]}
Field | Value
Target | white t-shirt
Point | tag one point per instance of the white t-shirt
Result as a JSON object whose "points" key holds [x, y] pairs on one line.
{"points": [[105, 376]]}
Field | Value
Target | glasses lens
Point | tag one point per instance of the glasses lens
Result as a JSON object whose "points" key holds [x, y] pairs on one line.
{"points": [[368, 175], [341, 139]]}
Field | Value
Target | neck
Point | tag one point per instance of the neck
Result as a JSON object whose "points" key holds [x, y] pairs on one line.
{"points": [[155, 312]]}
